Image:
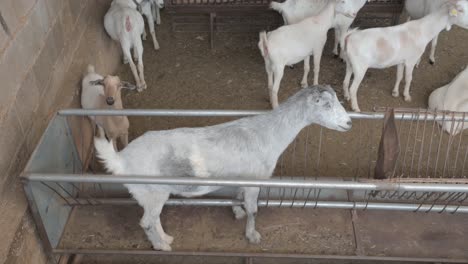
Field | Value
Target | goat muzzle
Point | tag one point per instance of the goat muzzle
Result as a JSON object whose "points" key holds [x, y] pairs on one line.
{"points": [[110, 100]]}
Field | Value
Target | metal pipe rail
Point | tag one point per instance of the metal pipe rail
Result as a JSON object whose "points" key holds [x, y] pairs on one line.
{"points": [[283, 203], [426, 115], [240, 182]]}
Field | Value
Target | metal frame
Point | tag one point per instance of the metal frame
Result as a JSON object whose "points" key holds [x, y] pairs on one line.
{"points": [[63, 184], [215, 8]]}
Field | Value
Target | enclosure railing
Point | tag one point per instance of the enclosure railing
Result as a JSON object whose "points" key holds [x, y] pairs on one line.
{"points": [[430, 174]]}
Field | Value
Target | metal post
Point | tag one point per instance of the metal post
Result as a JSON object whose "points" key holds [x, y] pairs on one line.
{"points": [[212, 21]]}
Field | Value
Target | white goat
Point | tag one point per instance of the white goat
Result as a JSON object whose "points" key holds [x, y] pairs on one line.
{"points": [[417, 9], [400, 45], [146, 8], [452, 97], [294, 11], [98, 92], [248, 147], [125, 24], [291, 44], [157, 6]]}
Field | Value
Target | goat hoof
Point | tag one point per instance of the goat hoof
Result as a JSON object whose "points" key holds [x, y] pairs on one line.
{"points": [[431, 62], [169, 239], [407, 98], [254, 237], [141, 87], [239, 213], [356, 109], [395, 94], [162, 247], [156, 46], [304, 85]]}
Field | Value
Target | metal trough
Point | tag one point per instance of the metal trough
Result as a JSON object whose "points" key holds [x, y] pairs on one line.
{"points": [[430, 176]]}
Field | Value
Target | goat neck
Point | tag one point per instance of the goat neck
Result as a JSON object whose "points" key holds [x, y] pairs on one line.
{"points": [[432, 24], [284, 124], [327, 15]]}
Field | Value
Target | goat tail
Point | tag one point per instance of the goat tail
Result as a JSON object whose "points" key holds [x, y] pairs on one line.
{"points": [[90, 69], [278, 7], [344, 39], [263, 44], [106, 153]]}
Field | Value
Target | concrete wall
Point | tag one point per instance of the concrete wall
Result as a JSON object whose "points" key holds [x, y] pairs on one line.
{"points": [[45, 46]]}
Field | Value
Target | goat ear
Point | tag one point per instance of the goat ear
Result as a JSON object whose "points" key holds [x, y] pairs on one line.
{"points": [[327, 93], [127, 85], [454, 9], [453, 12], [97, 82]]}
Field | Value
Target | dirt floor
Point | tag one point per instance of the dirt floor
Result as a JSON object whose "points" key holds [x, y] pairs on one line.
{"points": [[292, 231], [186, 74]]}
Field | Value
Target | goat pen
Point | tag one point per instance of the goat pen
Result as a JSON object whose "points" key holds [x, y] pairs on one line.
{"points": [[320, 169]]}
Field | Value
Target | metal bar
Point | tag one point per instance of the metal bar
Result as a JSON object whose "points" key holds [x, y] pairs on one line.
{"points": [[439, 146], [296, 204], [230, 113], [421, 151], [252, 255], [159, 112], [240, 182], [403, 164], [458, 150], [430, 149], [212, 21], [414, 145]]}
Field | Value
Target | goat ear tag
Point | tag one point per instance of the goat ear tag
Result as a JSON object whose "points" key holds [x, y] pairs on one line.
{"points": [[454, 12]]}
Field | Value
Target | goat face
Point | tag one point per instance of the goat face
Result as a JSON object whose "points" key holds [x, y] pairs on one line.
{"points": [[458, 11], [159, 3], [349, 8], [112, 87], [325, 109]]}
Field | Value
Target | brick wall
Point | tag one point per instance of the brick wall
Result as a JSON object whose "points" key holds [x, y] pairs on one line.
{"points": [[45, 46]]}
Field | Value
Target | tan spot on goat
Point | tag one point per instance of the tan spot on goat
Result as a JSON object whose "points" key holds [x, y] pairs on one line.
{"points": [[384, 50], [198, 164]]}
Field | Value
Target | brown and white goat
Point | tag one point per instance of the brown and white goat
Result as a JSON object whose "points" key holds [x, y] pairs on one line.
{"points": [[100, 92]]}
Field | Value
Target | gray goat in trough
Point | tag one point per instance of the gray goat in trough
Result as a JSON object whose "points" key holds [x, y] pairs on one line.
{"points": [[244, 148]]}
